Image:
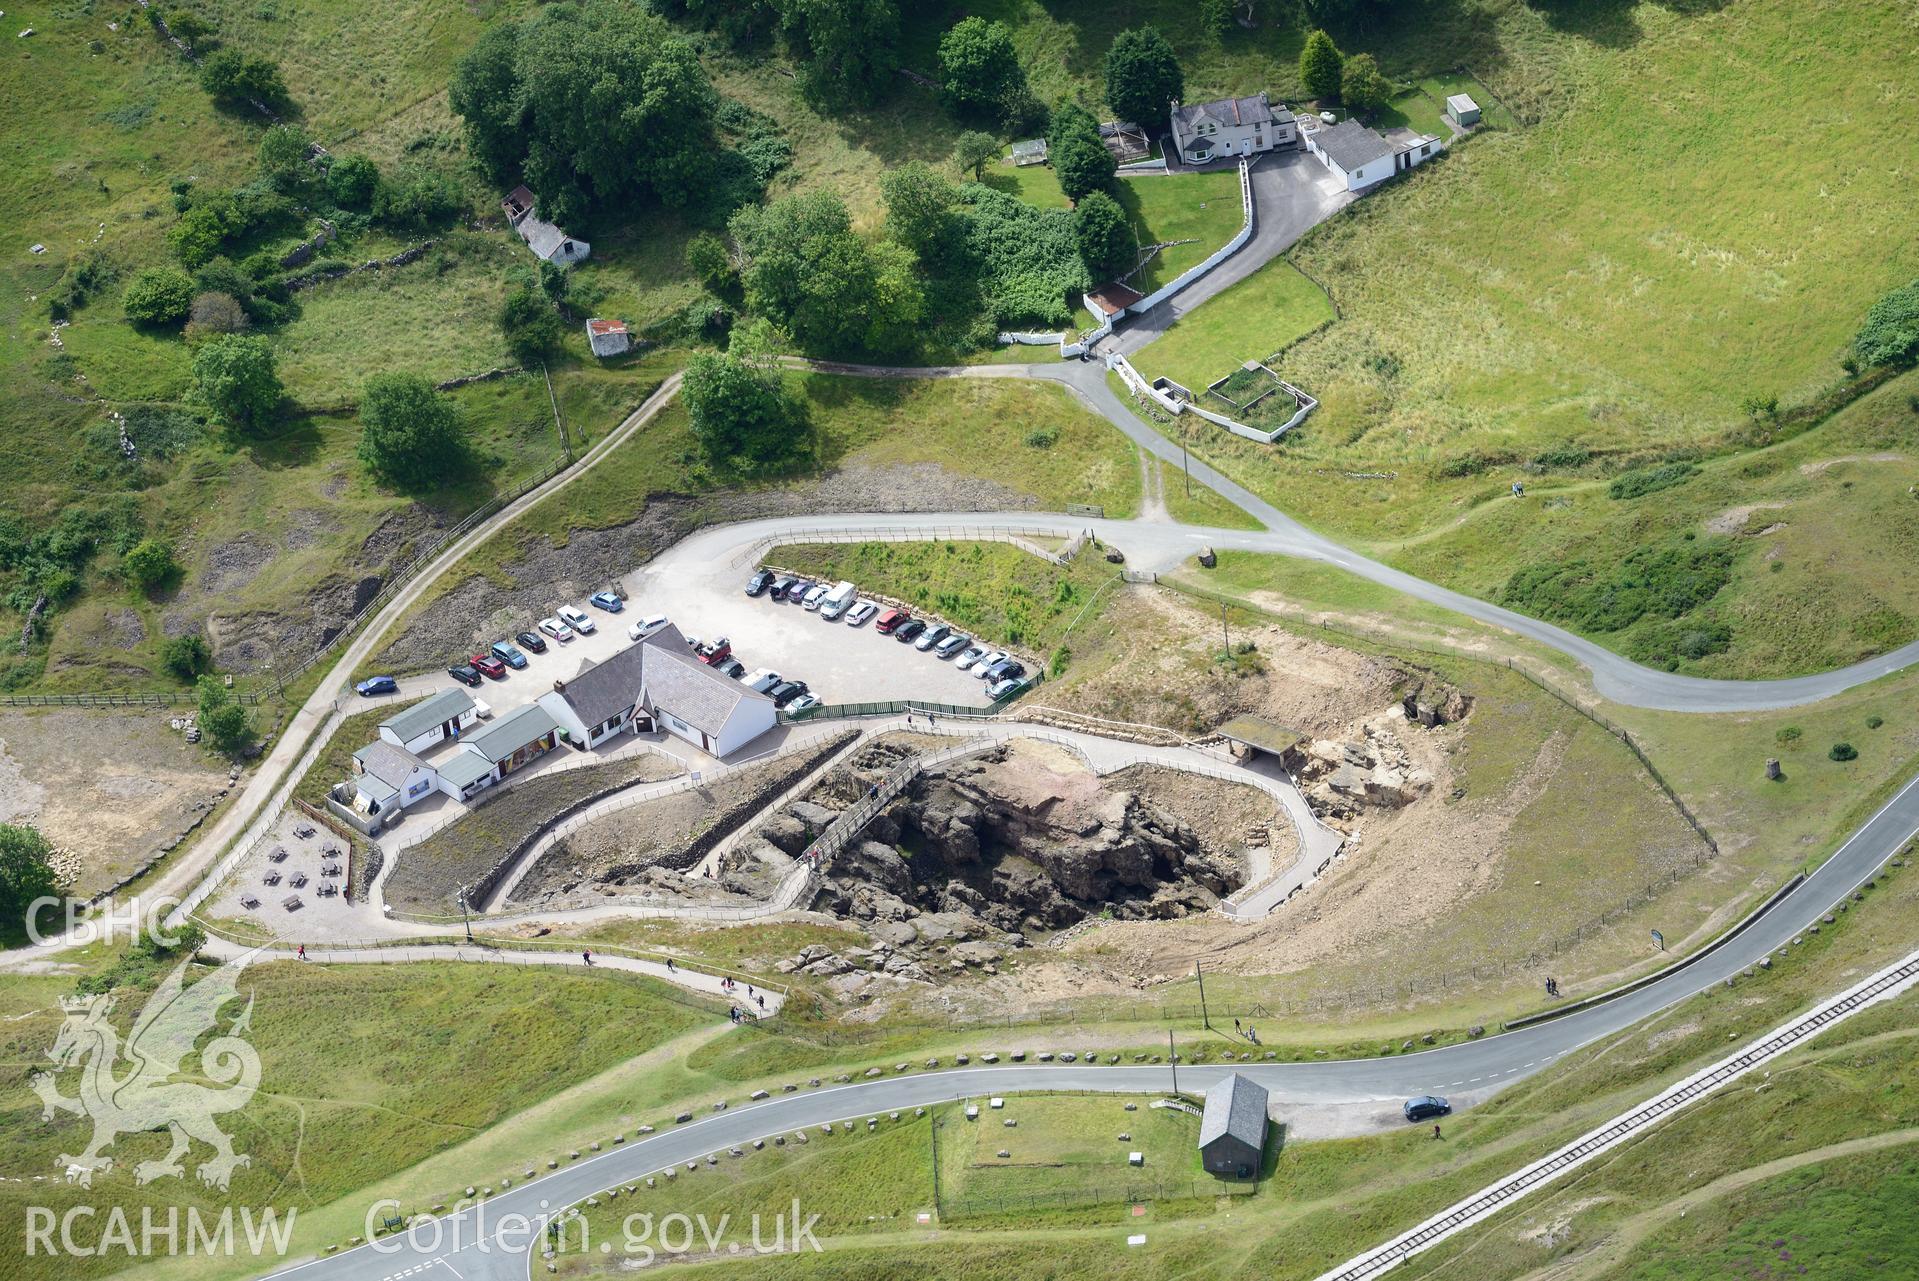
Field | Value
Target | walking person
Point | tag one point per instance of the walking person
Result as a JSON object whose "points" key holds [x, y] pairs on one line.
{"points": [[303, 951], [587, 956], [762, 1000], [1435, 1131], [670, 967]]}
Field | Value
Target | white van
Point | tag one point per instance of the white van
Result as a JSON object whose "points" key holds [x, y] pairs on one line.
{"points": [[838, 601]]}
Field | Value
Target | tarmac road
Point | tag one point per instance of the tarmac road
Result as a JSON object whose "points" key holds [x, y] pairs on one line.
{"points": [[478, 1245]]}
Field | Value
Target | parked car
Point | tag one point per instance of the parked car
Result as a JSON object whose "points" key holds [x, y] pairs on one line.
{"points": [[932, 636], [1005, 688], [785, 692], [531, 640], [762, 680], [1425, 1107], [981, 666], [377, 685], [814, 595], [611, 602], [1006, 669], [730, 667], [796, 590], [646, 626], [838, 600], [891, 621], [780, 587], [509, 653], [487, 665], [556, 629], [761, 580], [464, 674], [804, 703], [718, 651], [907, 630], [576, 619], [858, 615], [952, 644], [972, 655]]}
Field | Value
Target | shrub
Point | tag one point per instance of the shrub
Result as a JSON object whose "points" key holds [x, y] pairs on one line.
{"points": [[1361, 86], [1874, 722], [84, 276], [1320, 66], [187, 657], [217, 313], [225, 723], [1654, 582], [158, 296], [1043, 437], [1843, 752], [1567, 455], [1650, 480], [1890, 335], [707, 258], [352, 181], [229, 76], [530, 325], [1788, 736], [148, 564]]}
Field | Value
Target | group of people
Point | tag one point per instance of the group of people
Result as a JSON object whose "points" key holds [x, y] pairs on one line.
{"points": [[1250, 1032], [753, 998], [1552, 986]]}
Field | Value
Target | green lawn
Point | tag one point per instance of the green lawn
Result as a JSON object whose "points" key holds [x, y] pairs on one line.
{"points": [[1203, 210], [1273, 307]]}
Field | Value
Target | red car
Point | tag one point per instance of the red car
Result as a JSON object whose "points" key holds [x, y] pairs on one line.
{"points": [[891, 619], [716, 653], [489, 665]]}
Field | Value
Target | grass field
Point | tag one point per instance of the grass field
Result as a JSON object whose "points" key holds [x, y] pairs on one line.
{"points": [[1203, 506], [1273, 307], [994, 591]]}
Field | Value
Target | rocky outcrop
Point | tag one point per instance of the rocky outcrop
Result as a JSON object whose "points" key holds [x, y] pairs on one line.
{"points": [[1372, 771]]}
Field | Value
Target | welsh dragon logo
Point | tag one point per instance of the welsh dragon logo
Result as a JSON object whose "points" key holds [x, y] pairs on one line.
{"points": [[155, 1090]]}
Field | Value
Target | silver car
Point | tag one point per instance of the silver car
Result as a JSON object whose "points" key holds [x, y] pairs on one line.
{"points": [[981, 666], [972, 655]]}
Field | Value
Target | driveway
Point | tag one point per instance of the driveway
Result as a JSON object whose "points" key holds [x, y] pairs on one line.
{"points": [[1292, 194]]}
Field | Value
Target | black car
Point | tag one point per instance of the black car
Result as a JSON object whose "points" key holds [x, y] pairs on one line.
{"points": [[780, 586], [785, 692], [730, 667], [757, 585], [464, 674], [1005, 669], [531, 640], [907, 630], [1426, 1107]]}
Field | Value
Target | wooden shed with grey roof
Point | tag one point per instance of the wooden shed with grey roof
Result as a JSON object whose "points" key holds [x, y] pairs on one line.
{"points": [[1232, 1131]]}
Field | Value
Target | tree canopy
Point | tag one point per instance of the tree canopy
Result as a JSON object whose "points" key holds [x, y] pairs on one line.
{"points": [[148, 564], [26, 873], [740, 409], [974, 151], [1890, 335], [1079, 157], [1106, 241], [230, 76], [352, 180], [591, 104], [1319, 66], [980, 73], [1361, 86], [530, 324], [411, 436], [810, 273], [1142, 76], [920, 210], [225, 723], [849, 46], [283, 157], [158, 296], [234, 377]]}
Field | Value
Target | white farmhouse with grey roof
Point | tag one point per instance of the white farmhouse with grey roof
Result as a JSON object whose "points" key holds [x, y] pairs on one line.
{"points": [[1207, 131], [600, 700], [1360, 157], [432, 721], [1232, 1131], [690, 700], [389, 778], [547, 241]]}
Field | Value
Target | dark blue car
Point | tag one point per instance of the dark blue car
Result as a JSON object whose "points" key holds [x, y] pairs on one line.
{"points": [[509, 653], [1426, 1107], [377, 685]]}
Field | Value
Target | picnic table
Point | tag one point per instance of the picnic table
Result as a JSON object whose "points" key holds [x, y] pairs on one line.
{"points": [[249, 902], [272, 877], [297, 880], [292, 903]]}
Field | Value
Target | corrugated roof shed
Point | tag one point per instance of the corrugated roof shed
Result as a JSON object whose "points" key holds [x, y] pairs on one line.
{"points": [[411, 722]]}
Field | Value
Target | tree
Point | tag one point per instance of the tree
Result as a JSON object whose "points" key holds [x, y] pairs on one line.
{"points": [[974, 151], [593, 104], [411, 436], [531, 326], [1319, 66], [1890, 335], [187, 27], [158, 296], [709, 261], [979, 69], [1361, 86], [231, 77], [849, 46], [1106, 241], [352, 180], [418, 198], [919, 210], [807, 271], [1142, 76], [187, 657], [234, 377], [1217, 16], [148, 564], [283, 157], [1079, 157], [216, 313], [197, 237], [26, 873], [739, 408], [224, 722]]}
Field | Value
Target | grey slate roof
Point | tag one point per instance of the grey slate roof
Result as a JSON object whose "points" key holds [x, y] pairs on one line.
{"points": [[464, 769], [1229, 112], [599, 692], [416, 720], [541, 236], [375, 788], [1351, 144], [512, 732], [1236, 1106], [382, 760], [679, 683]]}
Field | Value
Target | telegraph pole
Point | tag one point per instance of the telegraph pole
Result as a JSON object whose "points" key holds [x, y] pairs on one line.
{"points": [[1204, 1017], [933, 1137], [1172, 1057], [464, 918], [1225, 631]]}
